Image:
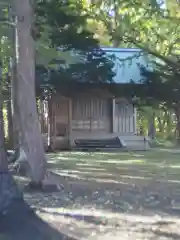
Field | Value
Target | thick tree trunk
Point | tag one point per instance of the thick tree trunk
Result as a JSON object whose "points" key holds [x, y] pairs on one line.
{"points": [[30, 134]]}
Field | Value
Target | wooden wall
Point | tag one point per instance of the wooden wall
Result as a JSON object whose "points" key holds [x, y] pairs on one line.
{"points": [[61, 112], [124, 118], [91, 114]]}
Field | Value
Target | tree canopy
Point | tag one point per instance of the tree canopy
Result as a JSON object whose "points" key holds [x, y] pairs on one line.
{"points": [[63, 27]]}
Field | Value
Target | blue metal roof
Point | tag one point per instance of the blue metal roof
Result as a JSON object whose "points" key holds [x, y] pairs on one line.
{"points": [[112, 49], [127, 63]]}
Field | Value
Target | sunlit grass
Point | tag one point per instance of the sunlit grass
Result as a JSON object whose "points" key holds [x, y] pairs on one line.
{"points": [[115, 166], [98, 224]]}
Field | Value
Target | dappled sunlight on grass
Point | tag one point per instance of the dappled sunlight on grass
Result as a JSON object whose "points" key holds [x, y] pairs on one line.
{"points": [[136, 161], [90, 223], [96, 169], [88, 171], [125, 177], [115, 167], [174, 166], [63, 158], [66, 174], [91, 211], [148, 157], [119, 195], [84, 164]]}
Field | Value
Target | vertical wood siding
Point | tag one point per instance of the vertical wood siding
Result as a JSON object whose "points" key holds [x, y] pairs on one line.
{"points": [[91, 114], [124, 118], [60, 109]]}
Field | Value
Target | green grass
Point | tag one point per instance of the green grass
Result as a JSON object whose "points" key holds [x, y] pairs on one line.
{"points": [[157, 164], [164, 143]]}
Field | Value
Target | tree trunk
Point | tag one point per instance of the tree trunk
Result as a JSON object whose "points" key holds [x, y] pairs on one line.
{"points": [[177, 112], [169, 124], [3, 160], [30, 134], [10, 123], [50, 125], [151, 126], [8, 189], [16, 126]]}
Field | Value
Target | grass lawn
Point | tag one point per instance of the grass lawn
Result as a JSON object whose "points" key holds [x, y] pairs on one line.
{"points": [[115, 195], [162, 165]]}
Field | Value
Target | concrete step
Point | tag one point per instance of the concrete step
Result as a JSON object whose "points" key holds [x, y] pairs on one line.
{"points": [[135, 142]]}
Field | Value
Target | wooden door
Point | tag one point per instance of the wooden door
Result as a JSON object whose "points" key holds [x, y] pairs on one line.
{"points": [[91, 114], [124, 118], [61, 109]]}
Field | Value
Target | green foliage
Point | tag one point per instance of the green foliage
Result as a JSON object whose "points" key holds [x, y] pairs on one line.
{"points": [[78, 57], [65, 48], [162, 84], [143, 24], [67, 27], [92, 70]]}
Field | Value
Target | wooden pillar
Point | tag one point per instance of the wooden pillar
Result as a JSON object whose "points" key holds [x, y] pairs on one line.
{"points": [[70, 122], [113, 114]]}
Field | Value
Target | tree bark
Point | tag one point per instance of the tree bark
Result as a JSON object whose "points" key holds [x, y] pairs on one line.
{"points": [[3, 159], [151, 126], [177, 112], [16, 126], [50, 125], [8, 189], [25, 100], [10, 123]]}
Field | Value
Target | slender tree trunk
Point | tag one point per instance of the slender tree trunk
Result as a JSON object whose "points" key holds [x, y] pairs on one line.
{"points": [[151, 126], [50, 125], [30, 134], [169, 124], [3, 159], [8, 189], [10, 123], [10, 141], [177, 112], [14, 93]]}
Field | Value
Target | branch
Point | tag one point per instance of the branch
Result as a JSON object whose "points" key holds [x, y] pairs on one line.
{"points": [[151, 52]]}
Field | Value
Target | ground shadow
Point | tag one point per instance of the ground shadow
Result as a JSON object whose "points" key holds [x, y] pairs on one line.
{"points": [[114, 181], [21, 223], [95, 187], [167, 235]]}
